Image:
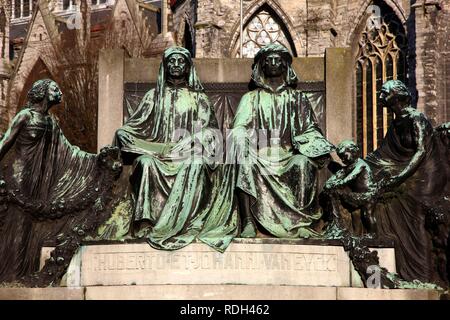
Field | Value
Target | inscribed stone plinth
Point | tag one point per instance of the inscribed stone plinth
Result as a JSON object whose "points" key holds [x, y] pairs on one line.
{"points": [[252, 264]]}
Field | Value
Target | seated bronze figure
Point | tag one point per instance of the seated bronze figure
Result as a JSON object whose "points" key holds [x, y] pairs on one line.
{"points": [[277, 181], [412, 167], [179, 195]]}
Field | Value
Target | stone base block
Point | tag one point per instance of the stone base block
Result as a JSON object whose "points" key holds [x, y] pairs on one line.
{"points": [[386, 294], [197, 264], [252, 292], [41, 293], [214, 292], [210, 292]]}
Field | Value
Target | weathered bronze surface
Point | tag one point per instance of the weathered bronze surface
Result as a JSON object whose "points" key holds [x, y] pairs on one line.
{"points": [[402, 192], [277, 182], [412, 166], [188, 178], [50, 190], [179, 195], [353, 189]]}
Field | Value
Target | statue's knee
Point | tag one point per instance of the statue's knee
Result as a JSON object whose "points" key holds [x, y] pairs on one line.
{"points": [[120, 133], [144, 160], [300, 161]]}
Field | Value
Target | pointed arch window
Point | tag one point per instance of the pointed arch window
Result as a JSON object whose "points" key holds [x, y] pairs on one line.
{"points": [[381, 57], [263, 28]]}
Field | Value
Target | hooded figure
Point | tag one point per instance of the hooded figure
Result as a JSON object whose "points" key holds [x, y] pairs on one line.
{"points": [[179, 194], [277, 181]]}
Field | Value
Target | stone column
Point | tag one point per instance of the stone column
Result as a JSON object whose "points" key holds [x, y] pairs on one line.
{"points": [[339, 70], [317, 27], [110, 94], [429, 62], [5, 67], [207, 31], [164, 13]]}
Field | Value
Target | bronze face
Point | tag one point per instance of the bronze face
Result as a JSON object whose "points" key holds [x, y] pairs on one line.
{"points": [[54, 94], [384, 98], [273, 65], [349, 156], [177, 66]]}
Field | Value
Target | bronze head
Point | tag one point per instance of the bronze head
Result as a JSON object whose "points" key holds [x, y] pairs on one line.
{"points": [[273, 60], [348, 152], [45, 89], [394, 93]]}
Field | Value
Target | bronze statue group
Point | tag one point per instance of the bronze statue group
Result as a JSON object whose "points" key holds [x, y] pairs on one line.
{"points": [[186, 182]]}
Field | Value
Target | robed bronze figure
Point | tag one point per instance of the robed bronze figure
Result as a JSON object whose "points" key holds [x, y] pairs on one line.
{"points": [[277, 176], [179, 192], [51, 191], [412, 166]]}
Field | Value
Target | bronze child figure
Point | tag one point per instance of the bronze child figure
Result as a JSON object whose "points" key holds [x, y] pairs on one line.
{"points": [[353, 187]]}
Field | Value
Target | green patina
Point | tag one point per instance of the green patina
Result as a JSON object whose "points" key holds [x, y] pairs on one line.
{"points": [[179, 194], [282, 183], [118, 225]]}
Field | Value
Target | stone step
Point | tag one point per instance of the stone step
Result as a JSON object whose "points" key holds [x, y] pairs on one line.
{"points": [[215, 292]]}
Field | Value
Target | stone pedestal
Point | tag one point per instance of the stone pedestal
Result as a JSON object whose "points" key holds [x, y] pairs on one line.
{"points": [[272, 262], [256, 264], [250, 269]]}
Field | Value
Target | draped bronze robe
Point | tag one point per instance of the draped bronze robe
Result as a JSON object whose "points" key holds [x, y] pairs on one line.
{"points": [[281, 178], [176, 200], [46, 174], [402, 214]]}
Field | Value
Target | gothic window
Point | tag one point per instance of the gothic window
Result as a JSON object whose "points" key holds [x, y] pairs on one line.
{"points": [[68, 4], [21, 8], [381, 57], [263, 28], [98, 2]]}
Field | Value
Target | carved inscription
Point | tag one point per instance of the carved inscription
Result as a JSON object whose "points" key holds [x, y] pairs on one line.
{"points": [[120, 261]]}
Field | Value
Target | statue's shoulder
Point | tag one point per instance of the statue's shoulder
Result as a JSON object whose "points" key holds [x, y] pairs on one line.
{"points": [[149, 94], [23, 115], [420, 119], [24, 112], [417, 116], [250, 95], [200, 94], [414, 113]]}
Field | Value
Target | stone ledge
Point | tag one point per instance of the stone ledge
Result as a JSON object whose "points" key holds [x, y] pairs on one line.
{"points": [[253, 292], [210, 292], [41, 293], [386, 294], [215, 292], [215, 70]]}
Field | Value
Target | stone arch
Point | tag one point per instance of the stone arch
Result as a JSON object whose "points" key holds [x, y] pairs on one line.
{"points": [[393, 4], [276, 9]]}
